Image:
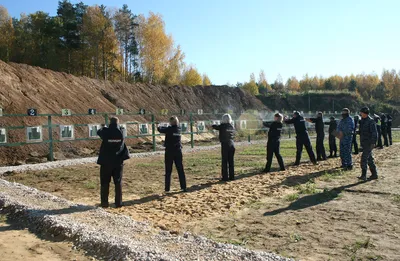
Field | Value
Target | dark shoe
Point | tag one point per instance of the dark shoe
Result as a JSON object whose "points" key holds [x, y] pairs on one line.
{"points": [[266, 170], [232, 178], [119, 206], [224, 180], [296, 163], [104, 205], [315, 163], [282, 169], [363, 178], [373, 177], [184, 190]]}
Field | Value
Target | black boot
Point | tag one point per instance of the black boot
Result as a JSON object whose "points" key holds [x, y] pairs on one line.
{"points": [[374, 174], [118, 195], [104, 190], [363, 176]]}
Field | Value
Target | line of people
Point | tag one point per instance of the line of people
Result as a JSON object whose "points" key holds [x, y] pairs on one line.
{"points": [[113, 151]]}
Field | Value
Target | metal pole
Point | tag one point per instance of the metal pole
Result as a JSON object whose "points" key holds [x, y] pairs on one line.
{"points": [[51, 149], [191, 131], [153, 130]]}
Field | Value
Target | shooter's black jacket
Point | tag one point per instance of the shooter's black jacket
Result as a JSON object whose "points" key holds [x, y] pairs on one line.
{"points": [[226, 132], [368, 132], [299, 125], [275, 129], [389, 121], [319, 125], [172, 137], [384, 122], [113, 150], [332, 126]]}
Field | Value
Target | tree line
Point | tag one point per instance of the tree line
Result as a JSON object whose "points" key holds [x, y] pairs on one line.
{"points": [[385, 87], [98, 42]]}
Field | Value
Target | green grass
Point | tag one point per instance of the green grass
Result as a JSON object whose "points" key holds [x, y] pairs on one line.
{"points": [[356, 246], [292, 197], [308, 189], [396, 199], [295, 238], [90, 185], [331, 175]]}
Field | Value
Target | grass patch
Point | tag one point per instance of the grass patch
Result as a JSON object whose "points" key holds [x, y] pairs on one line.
{"points": [[295, 238], [308, 189], [396, 199], [292, 197], [355, 247], [90, 185], [329, 176]]}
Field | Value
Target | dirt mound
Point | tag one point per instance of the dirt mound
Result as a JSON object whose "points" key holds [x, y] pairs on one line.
{"points": [[23, 87]]}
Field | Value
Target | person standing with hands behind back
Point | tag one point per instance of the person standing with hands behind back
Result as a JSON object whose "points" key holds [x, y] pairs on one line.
{"points": [[274, 142], [345, 132], [368, 137], [113, 153], [173, 153], [226, 136], [332, 139]]}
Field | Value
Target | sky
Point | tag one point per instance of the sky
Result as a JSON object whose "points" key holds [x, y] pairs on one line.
{"points": [[230, 39]]}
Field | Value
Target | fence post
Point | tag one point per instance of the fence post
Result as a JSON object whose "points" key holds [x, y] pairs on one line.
{"points": [[191, 131], [50, 128], [153, 131], [248, 138]]}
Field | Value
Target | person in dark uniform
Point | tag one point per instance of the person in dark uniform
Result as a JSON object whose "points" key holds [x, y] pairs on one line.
{"points": [[345, 133], [274, 142], [368, 136], [302, 137], [332, 139], [113, 153], [173, 153], [384, 130], [355, 144], [320, 130], [226, 136], [389, 128], [378, 128]]}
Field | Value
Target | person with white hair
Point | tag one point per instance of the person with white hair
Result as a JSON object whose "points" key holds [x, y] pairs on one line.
{"points": [[226, 136], [173, 152]]}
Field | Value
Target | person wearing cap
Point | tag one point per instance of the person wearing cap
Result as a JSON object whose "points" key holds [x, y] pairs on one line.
{"points": [[320, 130], [368, 136], [384, 130], [226, 136], [113, 153], [345, 132], [354, 142], [332, 139], [302, 137], [274, 142], [389, 128], [173, 153], [378, 128]]}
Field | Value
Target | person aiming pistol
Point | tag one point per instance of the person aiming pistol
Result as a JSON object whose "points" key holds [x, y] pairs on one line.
{"points": [[173, 153], [226, 136], [274, 142], [113, 153]]}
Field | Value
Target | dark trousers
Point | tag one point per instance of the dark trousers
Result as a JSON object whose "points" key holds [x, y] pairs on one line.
{"points": [[304, 140], [174, 156], [106, 172], [320, 148], [273, 147], [228, 165], [332, 145], [385, 137], [389, 131], [367, 160], [355, 144], [379, 141]]}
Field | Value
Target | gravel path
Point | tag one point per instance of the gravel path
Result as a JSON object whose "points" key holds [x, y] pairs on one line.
{"points": [[71, 162], [112, 236]]}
